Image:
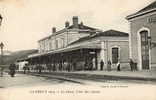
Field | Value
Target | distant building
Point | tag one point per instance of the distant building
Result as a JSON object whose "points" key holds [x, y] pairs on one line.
{"points": [[80, 47], [21, 64], [21, 56], [143, 37]]}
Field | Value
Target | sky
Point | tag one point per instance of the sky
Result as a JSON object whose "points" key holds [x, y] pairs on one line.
{"points": [[27, 21]]}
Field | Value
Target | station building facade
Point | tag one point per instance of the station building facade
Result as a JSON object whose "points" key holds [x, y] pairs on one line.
{"points": [[81, 47], [142, 38]]}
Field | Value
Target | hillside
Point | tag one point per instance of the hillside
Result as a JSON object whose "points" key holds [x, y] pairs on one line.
{"points": [[17, 55], [6, 52]]}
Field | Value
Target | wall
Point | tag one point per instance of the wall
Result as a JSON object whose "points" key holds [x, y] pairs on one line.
{"points": [[73, 36], [123, 53], [135, 25], [60, 40], [123, 50]]}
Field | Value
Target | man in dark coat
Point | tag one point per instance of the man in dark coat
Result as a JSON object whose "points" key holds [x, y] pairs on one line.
{"points": [[39, 68], [12, 68], [109, 65], [24, 68], [101, 65], [1, 70], [68, 67], [131, 64]]}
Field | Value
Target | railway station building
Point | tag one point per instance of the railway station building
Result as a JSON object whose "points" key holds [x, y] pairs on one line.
{"points": [[82, 48]]}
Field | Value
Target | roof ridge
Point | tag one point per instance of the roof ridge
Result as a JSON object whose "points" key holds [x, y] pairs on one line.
{"points": [[145, 8], [149, 8], [104, 33], [114, 30]]}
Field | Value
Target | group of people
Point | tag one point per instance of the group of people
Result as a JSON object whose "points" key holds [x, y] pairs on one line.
{"points": [[109, 63], [132, 64], [12, 68], [50, 67]]}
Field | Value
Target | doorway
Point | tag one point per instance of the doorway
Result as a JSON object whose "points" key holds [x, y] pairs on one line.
{"points": [[144, 49], [115, 55]]}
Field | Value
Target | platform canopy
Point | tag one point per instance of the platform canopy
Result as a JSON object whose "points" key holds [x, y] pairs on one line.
{"points": [[68, 49]]}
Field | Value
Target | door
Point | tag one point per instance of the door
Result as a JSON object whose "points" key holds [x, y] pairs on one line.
{"points": [[144, 49], [115, 54]]}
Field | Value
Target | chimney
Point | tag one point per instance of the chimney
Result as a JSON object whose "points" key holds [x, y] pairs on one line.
{"points": [[53, 29], [75, 21], [67, 24]]}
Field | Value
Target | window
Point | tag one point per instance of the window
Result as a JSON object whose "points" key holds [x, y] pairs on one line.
{"points": [[115, 54], [50, 46], [53, 44], [56, 44], [62, 42]]}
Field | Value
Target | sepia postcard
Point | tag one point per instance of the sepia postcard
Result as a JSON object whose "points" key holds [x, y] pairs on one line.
{"points": [[77, 49]]}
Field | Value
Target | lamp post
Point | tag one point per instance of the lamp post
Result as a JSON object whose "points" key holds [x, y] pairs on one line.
{"points": [[1, 44], [1, 47]]}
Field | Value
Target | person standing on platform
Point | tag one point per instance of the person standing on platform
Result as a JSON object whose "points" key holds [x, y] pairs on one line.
{"points": [[12, 69], [131, 63], [69, 67], [24, 68], [40, 69], [109, 65], [101, 65], [118, 66], [1, 69]]}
